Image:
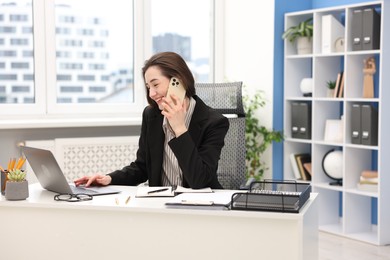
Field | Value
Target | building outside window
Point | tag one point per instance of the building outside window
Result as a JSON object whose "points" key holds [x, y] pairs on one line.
{"points": [[93, 55]]}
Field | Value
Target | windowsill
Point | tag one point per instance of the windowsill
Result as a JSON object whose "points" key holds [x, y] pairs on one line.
{"points": [[24, 123]]}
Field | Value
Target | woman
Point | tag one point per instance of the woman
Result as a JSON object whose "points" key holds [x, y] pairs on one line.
{"points": [[180, 143]]}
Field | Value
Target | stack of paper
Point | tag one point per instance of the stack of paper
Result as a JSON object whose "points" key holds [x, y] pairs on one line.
{"points": [[217, 200]]}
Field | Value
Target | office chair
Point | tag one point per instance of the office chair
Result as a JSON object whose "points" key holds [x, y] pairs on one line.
{"points": [[227, 99]]}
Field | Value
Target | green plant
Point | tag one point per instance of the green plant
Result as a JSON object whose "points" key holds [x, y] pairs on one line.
{"points": [[16, 175], [331, 84], [303, 29], [257, 137]]}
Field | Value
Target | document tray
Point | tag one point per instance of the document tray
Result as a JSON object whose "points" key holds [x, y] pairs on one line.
{"points": [[279, 196]]}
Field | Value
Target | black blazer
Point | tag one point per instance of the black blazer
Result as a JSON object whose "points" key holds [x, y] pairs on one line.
{"points": [[197, 150]]}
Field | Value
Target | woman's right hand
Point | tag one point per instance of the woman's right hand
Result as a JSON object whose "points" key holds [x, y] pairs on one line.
{"points": [[97, 180]]}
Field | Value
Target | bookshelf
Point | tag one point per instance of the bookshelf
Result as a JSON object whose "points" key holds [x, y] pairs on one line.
{"points": [[344, 210]]}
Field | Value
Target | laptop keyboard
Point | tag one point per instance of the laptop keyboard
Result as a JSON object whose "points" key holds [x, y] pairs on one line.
{"points": [[78, 190]]}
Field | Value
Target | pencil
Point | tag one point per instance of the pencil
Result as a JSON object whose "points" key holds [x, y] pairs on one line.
{"points": [[20, 163], [2, 169], [13, 161], [128, 199]]}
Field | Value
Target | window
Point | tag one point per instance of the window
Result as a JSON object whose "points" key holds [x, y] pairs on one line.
{"points": [[100, 44], [18, 42], [63, 57], [184, 27]]}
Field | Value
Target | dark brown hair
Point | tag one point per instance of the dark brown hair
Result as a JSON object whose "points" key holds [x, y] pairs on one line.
{"points": [[171, 65]]}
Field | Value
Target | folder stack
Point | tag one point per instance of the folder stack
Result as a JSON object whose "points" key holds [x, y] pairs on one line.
{"points": [[368, 181], [364, 124], [365, 29]]}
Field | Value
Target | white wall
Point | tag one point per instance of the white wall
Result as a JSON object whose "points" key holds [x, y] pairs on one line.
{"points": [[249, 34]]}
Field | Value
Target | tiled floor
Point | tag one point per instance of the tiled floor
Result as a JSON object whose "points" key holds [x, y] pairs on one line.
{"points": [[332, 247]]}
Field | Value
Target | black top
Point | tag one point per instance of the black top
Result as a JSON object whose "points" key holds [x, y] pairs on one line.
{"points": [[197, 150]]}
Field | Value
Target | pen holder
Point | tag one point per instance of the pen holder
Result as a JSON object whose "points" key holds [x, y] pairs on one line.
{"points": [[3, 178]]}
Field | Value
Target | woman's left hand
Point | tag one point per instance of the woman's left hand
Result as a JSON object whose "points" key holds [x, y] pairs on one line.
{"points": [[175, 112]]}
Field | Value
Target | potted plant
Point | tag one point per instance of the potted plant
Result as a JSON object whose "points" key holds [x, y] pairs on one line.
{"points": [[257, 137], [16, 185], [331, 85], [302, 33]]}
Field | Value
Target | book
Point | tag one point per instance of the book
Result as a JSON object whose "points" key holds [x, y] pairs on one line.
{"points": [[294, 167], [302, 159], [307, 167], [369, 174], [167, 191], [367, 187], [338, 83], [341, 88], [336, 88]]}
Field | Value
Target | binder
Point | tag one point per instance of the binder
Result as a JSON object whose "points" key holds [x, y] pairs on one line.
{"points": [[294, 120], [332, 30], [369, 123], [371, 29], [304, 120], [356, 30], [355, 124], [301, 120]]}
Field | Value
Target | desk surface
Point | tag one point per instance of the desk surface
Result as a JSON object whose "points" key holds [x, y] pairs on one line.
{"points": [[41, 198], [213, 232]]}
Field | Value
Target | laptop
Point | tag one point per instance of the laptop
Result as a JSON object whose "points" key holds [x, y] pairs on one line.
{"points": [[51, 177]]}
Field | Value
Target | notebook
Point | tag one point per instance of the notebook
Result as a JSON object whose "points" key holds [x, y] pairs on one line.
{"points": [[51, 177]]}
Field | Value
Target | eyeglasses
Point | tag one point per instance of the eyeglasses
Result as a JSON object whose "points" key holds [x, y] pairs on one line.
{"points": [[72, 197]]}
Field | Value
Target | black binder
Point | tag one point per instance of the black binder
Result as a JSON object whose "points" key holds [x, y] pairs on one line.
{"points": [[369, 123], [304, 120], [371, 29], [294, 120], [301, 120], [356, 31], [356, 124]]}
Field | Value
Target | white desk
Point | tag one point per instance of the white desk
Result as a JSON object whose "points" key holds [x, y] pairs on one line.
{"points": [[41, 228]]}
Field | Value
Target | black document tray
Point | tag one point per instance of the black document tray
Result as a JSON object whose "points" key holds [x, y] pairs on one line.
{"points": [[279, 196]]}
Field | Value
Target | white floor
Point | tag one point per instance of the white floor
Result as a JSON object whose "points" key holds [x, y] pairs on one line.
{"points": [[332, 247]]}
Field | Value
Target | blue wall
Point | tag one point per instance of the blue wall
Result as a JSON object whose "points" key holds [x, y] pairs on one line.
{"points": [[282, 7]]}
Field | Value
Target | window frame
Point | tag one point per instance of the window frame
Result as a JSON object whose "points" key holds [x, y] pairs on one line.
{"points": [[46, 108]]}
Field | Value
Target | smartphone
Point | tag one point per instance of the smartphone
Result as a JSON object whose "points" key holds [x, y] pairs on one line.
{"points": [[176, 87]]}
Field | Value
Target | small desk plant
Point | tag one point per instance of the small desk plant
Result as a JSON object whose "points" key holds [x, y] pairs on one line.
{"points": [[16, 185]]}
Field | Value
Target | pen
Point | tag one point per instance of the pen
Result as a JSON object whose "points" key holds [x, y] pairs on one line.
{"points": [[159, 190]]}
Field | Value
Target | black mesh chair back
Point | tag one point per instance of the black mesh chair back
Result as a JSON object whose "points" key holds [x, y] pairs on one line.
{"points": [[227, 99]]}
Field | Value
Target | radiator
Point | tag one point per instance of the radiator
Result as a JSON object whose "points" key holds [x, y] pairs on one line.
{"points": [[86, 156]]}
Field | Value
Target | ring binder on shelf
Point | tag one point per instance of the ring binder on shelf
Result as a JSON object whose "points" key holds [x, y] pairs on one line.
{"points": [[279, 196]]}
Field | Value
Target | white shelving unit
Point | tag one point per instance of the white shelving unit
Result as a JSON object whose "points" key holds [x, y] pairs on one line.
{"points": [[344, 210]]}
